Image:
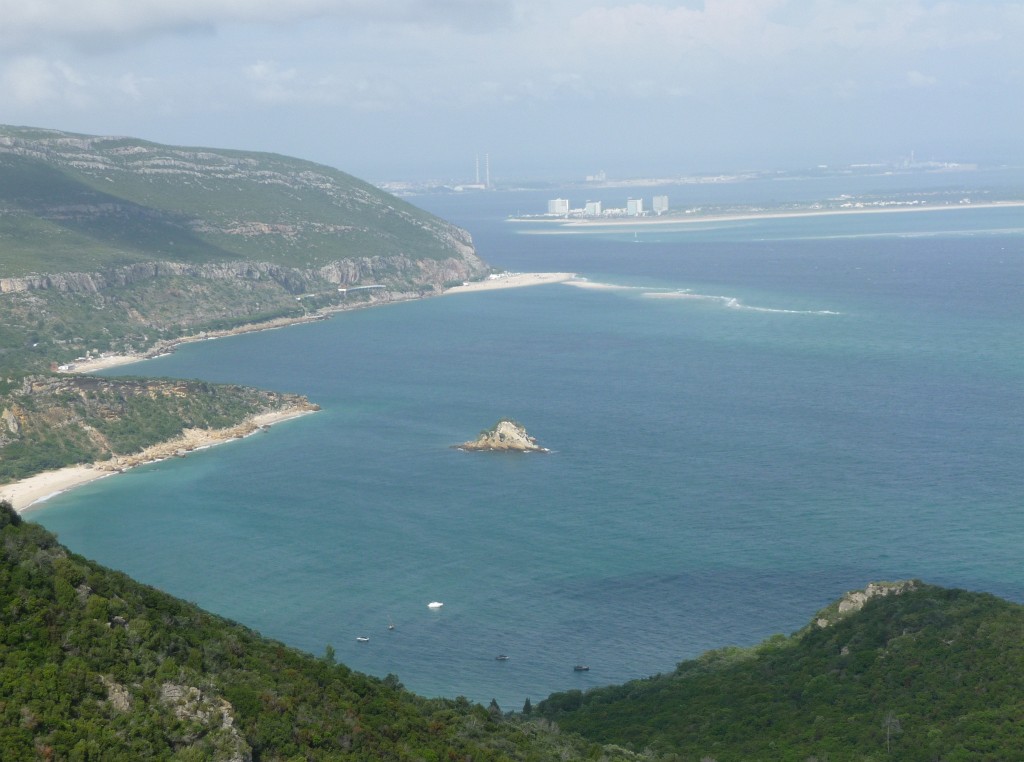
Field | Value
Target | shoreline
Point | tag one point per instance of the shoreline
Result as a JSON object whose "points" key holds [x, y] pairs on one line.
{"points": [[495, 282], [32, 492], [692, 219]]}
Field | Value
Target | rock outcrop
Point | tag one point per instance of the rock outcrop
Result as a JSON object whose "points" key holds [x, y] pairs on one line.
{"points": [[854, 600], [505, 436]]}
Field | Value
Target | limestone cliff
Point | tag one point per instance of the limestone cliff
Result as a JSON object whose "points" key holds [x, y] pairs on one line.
{"points": [[505, 436]]}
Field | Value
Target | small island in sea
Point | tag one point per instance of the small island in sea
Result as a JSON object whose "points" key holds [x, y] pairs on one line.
{"points": [[504, 436]]}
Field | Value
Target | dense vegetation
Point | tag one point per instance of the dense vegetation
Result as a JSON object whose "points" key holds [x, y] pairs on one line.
{"points": [[94, 666], [931, 674], [48, 422]]}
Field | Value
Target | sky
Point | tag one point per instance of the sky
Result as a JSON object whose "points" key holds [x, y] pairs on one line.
{"points": [[417, 89]]}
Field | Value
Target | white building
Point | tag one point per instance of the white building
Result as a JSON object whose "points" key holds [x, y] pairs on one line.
{"points": [[592, 209], [660, 204], [558, 206], [634, 207]]}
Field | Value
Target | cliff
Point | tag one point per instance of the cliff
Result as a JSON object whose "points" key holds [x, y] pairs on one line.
{"points": [[505, 436]]}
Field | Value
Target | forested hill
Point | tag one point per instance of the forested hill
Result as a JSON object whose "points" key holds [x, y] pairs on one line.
{"points": [[926, 674], [113, 244], [95, 666]]}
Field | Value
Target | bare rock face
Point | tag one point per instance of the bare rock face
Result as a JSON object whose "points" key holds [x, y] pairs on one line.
{"points": [[505, 436], [854, 600]]}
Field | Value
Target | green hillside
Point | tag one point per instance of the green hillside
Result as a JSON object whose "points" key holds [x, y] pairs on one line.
{"points": [[929, 674], [71, 203], [118, 245]]}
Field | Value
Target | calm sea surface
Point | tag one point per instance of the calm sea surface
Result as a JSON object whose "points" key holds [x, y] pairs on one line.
{"points": [[765, 415]]}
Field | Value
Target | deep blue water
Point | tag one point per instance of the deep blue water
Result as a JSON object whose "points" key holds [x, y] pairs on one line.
{"points": [[768, 414]]}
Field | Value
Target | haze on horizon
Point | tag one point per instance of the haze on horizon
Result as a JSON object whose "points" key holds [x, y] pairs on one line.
{"points": [[415, 89]]}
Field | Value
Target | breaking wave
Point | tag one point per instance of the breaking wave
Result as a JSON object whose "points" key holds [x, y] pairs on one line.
{"points": [[729, 302]]}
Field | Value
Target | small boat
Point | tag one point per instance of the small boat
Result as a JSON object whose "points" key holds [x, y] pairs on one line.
{"points": [[434, 605], [391, 625], [362, 639], [501, 657], [581, 668]]}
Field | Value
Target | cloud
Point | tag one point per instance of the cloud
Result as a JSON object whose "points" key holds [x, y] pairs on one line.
{"points": [[132, 22], [33, 81]]}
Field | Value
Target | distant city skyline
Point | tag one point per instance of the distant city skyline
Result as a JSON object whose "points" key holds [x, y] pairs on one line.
{"points": [[416, 90]]}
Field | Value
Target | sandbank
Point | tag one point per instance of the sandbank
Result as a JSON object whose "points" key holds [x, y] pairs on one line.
{"points": [[511, 280], [35, 490], [575, 225]]}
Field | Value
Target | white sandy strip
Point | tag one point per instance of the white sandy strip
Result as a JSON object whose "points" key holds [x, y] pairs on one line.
{"points": [[101, 363], [511, 280], [689, 219], [36, 489]]}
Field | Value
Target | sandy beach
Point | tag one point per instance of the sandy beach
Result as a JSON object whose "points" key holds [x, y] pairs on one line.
{"points": [[35, 490], [510, 280]]}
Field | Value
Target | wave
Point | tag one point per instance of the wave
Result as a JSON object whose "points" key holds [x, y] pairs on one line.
{"points": [[597, 286], [731, 302]]}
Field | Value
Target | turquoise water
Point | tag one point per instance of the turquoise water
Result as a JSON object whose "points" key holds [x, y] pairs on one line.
{"points": [[765, 416]]}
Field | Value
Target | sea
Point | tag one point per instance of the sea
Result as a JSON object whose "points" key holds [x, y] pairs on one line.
{"points": [[746, 420]]}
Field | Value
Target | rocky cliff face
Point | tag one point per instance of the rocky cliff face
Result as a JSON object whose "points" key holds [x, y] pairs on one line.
{"points": [[854, 600], [396, 272], [504, 436]]}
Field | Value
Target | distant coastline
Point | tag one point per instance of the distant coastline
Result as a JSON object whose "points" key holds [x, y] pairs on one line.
{"points": [[689, 219]]}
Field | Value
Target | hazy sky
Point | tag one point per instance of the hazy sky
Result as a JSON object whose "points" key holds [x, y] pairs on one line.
{"points": [[414, 89]]}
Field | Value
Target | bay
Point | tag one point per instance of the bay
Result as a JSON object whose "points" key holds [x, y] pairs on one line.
{"points": [[757, 418]]}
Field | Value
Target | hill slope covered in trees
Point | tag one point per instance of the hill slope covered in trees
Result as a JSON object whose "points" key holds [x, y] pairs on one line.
{"points": [[927, 674]]}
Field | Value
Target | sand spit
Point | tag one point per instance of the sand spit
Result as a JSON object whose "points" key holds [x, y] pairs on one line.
{"points": [[36, 489], [511, 280], [580, 225]]}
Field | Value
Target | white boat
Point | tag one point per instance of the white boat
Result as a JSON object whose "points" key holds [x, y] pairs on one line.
{"points": [[434, 605], [362, 639]]}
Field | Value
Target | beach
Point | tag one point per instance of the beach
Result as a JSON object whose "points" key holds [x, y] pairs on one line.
{"points": [[511, 280], [37, 489], [493, 282]]}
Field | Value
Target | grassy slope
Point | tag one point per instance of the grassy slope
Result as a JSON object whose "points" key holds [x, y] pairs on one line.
{"points": [[153, 202], [932, 674]]}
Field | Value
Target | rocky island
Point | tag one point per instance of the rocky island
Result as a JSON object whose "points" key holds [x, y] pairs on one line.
{"points": [[504, 436]]}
